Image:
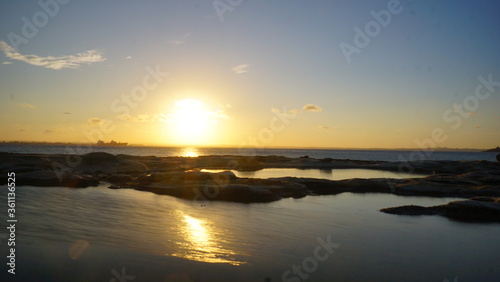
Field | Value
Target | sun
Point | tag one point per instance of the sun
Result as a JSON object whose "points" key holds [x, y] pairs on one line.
{"points": [[191, 121]]}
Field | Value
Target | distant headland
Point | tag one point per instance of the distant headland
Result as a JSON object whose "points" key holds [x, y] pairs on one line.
{"points": [[497, 149], [111, 143], [99, 143]]}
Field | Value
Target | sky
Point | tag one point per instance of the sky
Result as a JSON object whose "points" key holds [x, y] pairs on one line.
{"points": [[330, 74]]}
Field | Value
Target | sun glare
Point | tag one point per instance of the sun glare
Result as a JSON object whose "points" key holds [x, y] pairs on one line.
{"points": [[191, 118]]}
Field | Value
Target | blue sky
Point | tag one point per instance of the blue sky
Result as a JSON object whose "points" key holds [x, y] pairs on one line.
{"points": [[261, 56]]}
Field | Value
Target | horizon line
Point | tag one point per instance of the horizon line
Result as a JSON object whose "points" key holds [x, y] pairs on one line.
{"points": [[249, 147]]}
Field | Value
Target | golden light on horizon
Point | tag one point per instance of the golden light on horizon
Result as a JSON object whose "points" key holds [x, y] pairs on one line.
{"points": [[190, 152]]}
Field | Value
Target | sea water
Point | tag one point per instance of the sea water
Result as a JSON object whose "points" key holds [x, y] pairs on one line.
{"points": [[249, 242], [373, 155]]}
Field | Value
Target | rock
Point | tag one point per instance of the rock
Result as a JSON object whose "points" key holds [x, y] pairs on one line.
{"points": [[470, 210], [108, 163], [119, 179], [480, 210], [180, 176], [51, 179], [246, 194], [249, 164], [409, 210], [498, 157]]}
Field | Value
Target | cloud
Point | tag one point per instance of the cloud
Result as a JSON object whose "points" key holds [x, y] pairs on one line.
{"points": [[175, 42], [51, 62], [27, 106], [218, 113], [95, 121], [181, 41], [240, 69], [49, 131], [285, 111], [312, 108], [143, 117], [6, 63], [128, 57], [66, 113], [23, 127], [323, 127], [58, 130]]}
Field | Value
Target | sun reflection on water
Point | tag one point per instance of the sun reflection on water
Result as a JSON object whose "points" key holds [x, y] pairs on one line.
{"points": [[189, 152], [199, 242]]}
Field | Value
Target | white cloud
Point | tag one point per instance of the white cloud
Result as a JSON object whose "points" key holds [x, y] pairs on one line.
{"points": [[178, 42], [218, 113], [240, 69], [6, 63], [27, 106], [51, 62], [312, 108], [175, 42], [128, 57]]}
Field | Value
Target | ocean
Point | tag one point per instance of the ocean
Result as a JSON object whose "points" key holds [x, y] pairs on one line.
{"points": [[372, 155]]}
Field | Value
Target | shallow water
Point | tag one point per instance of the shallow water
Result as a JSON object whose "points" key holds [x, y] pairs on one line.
{"points": [[331, 174], [264, 240]]}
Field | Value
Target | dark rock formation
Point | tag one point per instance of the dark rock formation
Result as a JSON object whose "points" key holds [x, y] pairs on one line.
{"points": [[410, 210], [181, 177], [484, 209], [53, 179], [108, 163]]}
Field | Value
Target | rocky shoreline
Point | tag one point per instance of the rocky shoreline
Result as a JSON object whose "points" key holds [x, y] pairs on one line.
{"points": [[478, 182]]}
